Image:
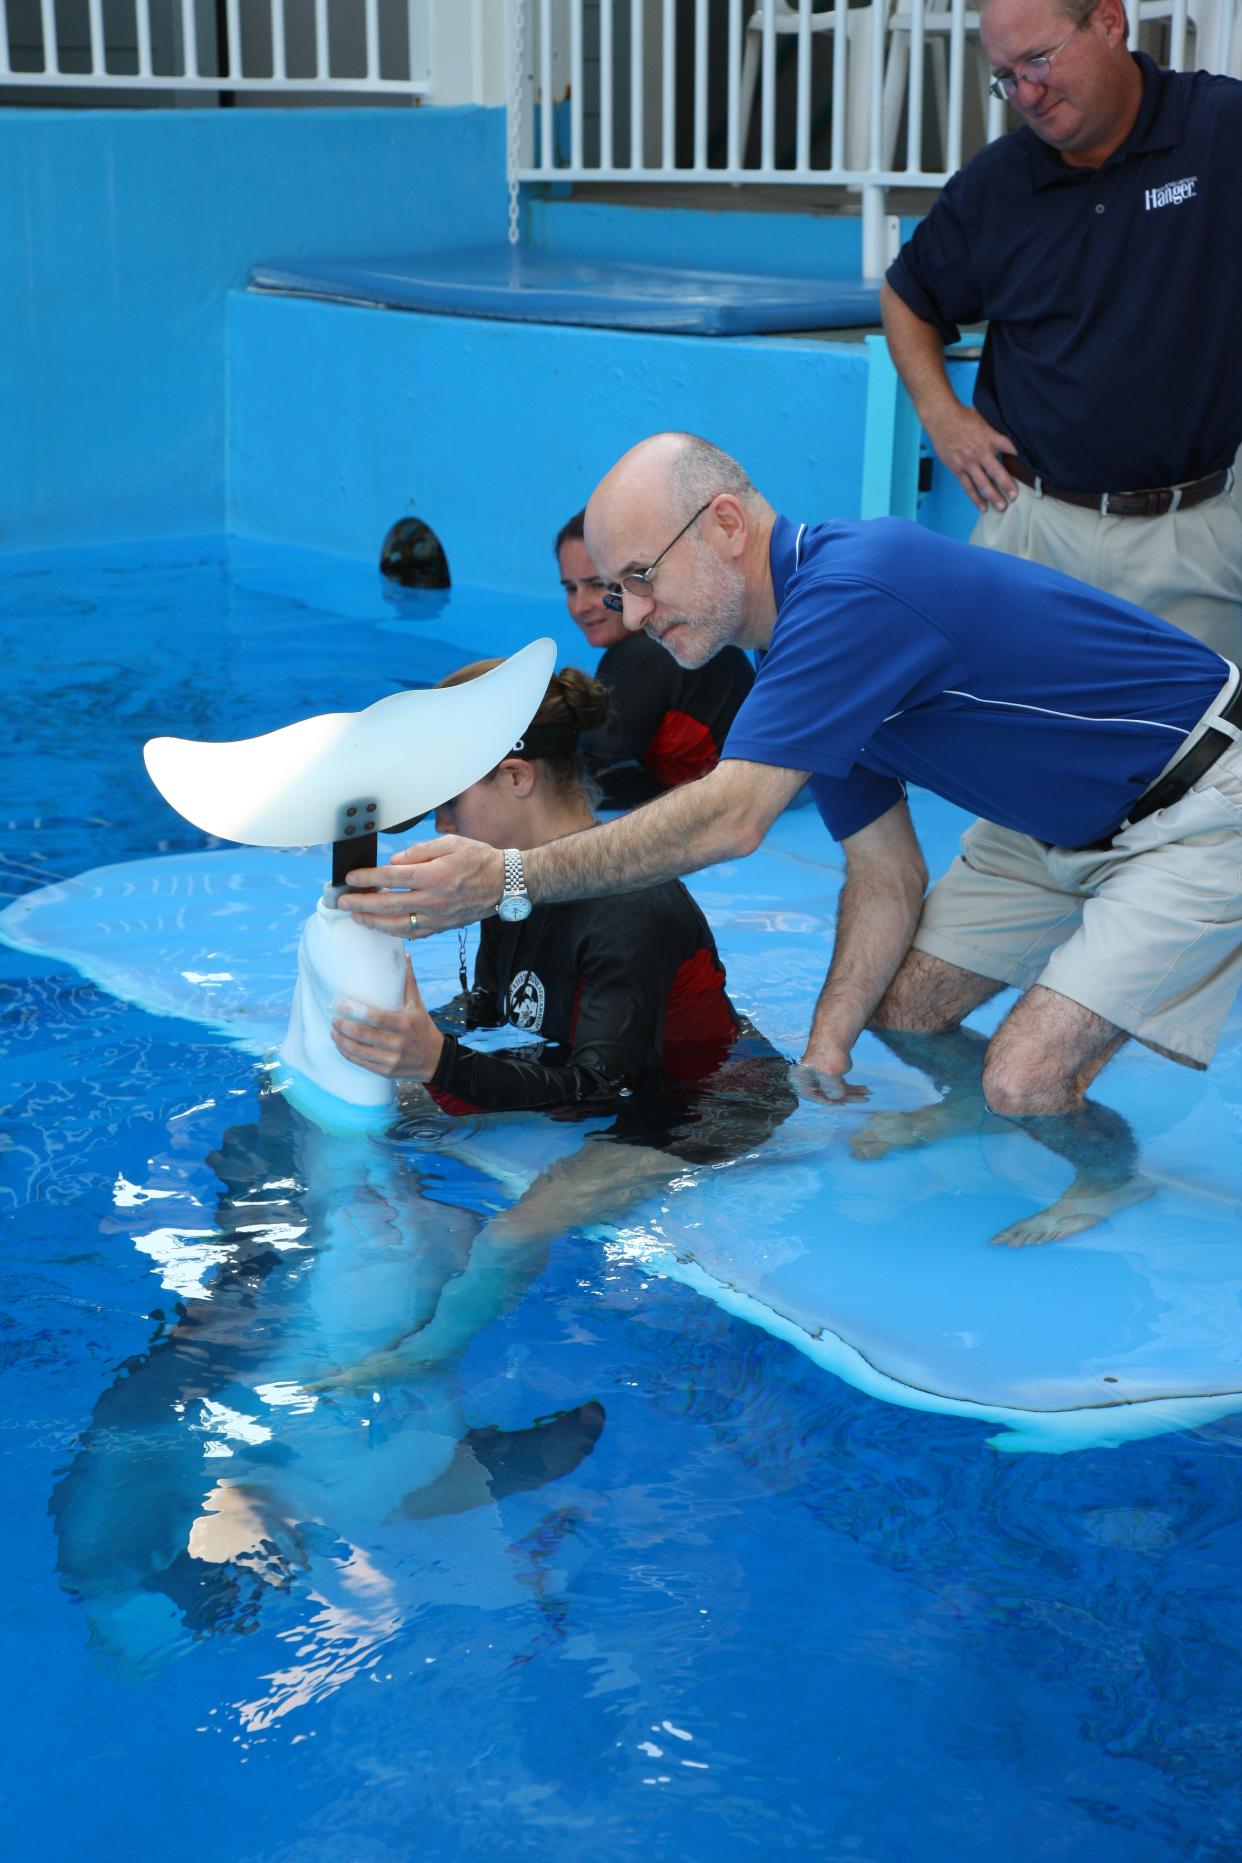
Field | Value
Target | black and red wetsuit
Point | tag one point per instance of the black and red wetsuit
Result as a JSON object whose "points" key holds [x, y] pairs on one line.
{"points": [[628, 988], [629, 996], [668, 723]]}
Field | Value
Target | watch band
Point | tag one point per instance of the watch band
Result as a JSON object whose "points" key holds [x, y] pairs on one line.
{"points": [[514, 903], [515, 874]]}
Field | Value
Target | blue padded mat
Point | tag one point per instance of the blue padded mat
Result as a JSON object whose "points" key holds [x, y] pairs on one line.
{"points": [[537, 287], [878, 1267]]}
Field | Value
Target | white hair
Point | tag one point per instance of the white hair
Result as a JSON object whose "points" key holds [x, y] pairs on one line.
{"points": [[700, 471]]}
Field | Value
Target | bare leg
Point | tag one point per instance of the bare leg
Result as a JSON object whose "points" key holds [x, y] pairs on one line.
{"points": [[918, 1018], [241, 1525], [1035, 1070], [952, 1059], [1039, 1065], [928, 994]]}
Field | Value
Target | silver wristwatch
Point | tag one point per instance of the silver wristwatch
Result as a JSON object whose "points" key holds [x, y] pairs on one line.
{"points": [[514, 902]]}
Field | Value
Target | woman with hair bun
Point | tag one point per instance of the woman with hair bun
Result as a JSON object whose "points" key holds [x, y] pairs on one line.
{"points": [[630, 988], [628, 994]]}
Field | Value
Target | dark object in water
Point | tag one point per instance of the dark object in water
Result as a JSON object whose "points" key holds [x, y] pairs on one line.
{"points": [[490, 1463], [413, 555]]}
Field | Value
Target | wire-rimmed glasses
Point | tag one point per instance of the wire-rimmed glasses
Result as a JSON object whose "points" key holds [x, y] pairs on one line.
{"points": [[638, 581]]}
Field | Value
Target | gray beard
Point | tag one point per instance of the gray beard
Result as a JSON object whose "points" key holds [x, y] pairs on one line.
{"points": [[720, 608]]}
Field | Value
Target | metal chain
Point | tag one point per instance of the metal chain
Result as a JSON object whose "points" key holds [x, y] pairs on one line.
{"points": [[517, 61]]}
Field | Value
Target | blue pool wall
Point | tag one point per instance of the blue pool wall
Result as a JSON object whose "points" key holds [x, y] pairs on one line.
{"points": [[122, 234], [149, 394], [495, 433]]}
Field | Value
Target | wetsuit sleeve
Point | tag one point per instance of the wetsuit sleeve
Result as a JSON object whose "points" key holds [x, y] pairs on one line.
{"points": [[644, 683], [467, 1081], [935, 272]]}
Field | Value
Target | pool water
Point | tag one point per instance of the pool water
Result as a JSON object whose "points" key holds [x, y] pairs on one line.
{"points": [[756, 1613]]}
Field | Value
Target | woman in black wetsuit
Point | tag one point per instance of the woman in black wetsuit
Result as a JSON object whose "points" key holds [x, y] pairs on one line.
{"points": [[628, 993]]}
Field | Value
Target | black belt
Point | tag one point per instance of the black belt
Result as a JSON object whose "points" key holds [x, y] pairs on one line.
{"points": [[1185, 773], [1154, 503]]}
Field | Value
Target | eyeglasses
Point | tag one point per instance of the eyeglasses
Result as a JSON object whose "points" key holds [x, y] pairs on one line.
{"points": [[638, 582], [1031, 71]]}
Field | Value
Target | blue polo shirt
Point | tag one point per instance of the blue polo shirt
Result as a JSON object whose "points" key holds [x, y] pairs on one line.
{"points": [[901, 656], [1113, 295]]}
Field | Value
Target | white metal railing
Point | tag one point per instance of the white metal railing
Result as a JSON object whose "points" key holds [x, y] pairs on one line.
{"points": [[867, 97], [369, 47]]}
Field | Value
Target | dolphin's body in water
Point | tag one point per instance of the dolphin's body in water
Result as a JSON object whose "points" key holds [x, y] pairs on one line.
{"points": [[222, 1461], [212, 1470]]}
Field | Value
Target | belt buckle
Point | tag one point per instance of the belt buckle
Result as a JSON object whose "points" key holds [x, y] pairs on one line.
{"points": [[1156, 502]]}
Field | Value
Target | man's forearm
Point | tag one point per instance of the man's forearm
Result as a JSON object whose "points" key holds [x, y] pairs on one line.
{"points": [[917, 350], [963, 440], [876, 922], [721, 817], [437, 884]]}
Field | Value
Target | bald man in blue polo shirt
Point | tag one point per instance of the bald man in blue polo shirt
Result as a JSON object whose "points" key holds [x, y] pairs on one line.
{"points": [[1102, 244], [1099, 744]]}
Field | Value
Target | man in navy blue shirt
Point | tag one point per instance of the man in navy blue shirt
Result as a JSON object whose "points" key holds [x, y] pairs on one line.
{"points": [[1100, 744], [1102, 243]]}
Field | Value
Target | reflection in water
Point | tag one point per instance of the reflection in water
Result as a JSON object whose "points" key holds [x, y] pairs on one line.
{"points": [[219, 1468]]}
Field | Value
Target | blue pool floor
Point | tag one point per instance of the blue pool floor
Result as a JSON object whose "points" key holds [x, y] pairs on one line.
{"points": [[768, 1614]]}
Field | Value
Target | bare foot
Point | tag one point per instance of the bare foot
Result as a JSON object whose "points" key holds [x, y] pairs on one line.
{"points": [[1082, 1206], [885, 1132]]}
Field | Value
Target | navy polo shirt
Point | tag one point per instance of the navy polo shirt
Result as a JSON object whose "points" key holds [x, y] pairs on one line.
{"points": [[902, 656], [1113, 296]]}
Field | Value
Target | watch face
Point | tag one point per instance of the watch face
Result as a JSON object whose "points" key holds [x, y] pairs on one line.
{"points": [[513, 906]]}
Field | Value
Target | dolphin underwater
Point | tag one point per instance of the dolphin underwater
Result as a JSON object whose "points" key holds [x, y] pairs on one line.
{"points": [[213, 1473], [220, 1464]]}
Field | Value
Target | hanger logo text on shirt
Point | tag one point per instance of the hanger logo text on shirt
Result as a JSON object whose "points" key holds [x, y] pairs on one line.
{"points": [[1172, 194]]}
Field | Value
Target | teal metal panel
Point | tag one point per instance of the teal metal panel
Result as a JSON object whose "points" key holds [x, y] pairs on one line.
{"points": [[890, 475]]}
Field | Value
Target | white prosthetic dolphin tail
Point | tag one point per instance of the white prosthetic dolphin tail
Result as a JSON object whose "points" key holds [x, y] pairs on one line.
{"points": [[340, 962], [322, 780], [406, 754]]}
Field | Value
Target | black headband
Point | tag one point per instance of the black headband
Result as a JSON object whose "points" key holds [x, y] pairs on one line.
{"points": [[546, 740]]}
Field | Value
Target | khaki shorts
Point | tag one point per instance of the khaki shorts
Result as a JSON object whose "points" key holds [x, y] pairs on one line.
{"points": [[1147, 932], [1185, 566]]}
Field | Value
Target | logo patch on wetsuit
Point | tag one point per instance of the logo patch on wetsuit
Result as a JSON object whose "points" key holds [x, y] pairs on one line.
{"points": [[1172, 194], [526, 1000]]}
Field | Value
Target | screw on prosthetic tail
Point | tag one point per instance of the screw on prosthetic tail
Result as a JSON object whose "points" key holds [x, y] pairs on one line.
{"points": [[357, 840], [407, 753]]}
